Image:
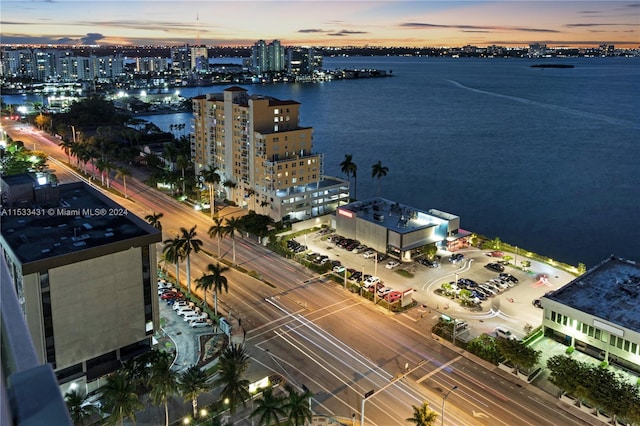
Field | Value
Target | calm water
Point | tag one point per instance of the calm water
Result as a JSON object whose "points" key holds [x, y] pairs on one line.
{"points": [[546, 159]]}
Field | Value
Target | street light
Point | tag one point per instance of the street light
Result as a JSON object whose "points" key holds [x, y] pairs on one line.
{"points": [[443, 401]]}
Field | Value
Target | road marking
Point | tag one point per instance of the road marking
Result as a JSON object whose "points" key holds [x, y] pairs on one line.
{"points": [[443, 366]]}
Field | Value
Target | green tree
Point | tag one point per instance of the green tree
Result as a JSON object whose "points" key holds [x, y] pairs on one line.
{"points": [[67, 147], [120, 399], [269, 408], [123, 173], [154, 220], [215, 280], [232, 365], [566, 373], [192, 383], [217, 230], [423, 415], [211, 178], [173, 252], [297, 406], [79, 409], [232, 226], [379, 171], [522, 356], [189, 243], [164, 383], [349, 168]]}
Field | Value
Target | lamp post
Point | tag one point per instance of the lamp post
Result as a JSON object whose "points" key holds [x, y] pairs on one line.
{"points": [[443, 401], [73, 132]]}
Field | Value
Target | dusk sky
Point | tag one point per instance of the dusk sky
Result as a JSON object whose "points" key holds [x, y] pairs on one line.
{"points": [[322, 23]]}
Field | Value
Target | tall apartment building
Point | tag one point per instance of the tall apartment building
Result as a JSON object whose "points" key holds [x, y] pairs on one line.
{"points": [[265, 156], [303, 61], [268, 57], [199, 59], [181, 58], [84, 271], [151, 65]]}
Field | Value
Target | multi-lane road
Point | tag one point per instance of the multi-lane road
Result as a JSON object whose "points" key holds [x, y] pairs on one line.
{"points": [[315, 333]]}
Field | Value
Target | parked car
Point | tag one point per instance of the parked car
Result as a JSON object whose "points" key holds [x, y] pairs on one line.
{"points": [[508, 277], [496, 253], [370, 281], [392, 264], [505, 334], [369, 254], [382, 257], [384, 291], [200, 323], [393, 296], [456, 257], [196, 316], [179, 304], [356, 275], [339, 269], [171, 295], [537, 303], [494, 267]]}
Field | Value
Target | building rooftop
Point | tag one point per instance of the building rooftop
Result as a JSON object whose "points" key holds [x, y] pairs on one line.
{"points": [[394, 216], [83, 220], [610, 291]]}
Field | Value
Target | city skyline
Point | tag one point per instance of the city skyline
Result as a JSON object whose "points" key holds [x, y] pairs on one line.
{"points": [[327, 23]]}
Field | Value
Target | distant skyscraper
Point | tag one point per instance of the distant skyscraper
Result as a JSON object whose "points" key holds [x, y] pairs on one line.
{"points": [[181, 58], [268, 57], [263, 155], [199, 59]]}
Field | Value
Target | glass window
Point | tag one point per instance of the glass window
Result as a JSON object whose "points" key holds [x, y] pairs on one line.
{"points": [[634, 348], [598, 334]]}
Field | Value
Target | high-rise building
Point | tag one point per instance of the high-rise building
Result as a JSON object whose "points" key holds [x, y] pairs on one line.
{"points": [[84, 271], [303, 61], [268, 57], [181, 58], [199, 59], [263, 154]]}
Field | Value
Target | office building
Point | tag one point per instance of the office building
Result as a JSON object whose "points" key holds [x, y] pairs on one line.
{"points": [[264, 156], [599, 313], [399, 230], [84, 271]]}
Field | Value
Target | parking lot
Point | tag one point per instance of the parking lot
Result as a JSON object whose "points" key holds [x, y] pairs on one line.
{"points": [[505, 301]]}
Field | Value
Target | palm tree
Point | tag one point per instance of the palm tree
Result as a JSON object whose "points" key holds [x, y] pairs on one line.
{"points": [[164, 383], [193, 382], [252, 194], [217, 230], [123, 172], [211, 178], [423, 415], [233, 225], [101, 165], [120, 399], [379, 171], [229, 184], [297, 406], [232, 364], [67, 147], [79, 409], [269, 408], [173, 253], [215, 280], [154, 220], [183, 162], [349, 168], [189, 243]]}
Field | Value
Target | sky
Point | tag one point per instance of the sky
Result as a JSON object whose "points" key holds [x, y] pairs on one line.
{"points": [[322, 23]]}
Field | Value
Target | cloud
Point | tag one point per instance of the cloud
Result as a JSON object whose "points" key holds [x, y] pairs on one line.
{"points": [[91, 38], [343, 33], [593, 25], [312, 30], [474, 28]]}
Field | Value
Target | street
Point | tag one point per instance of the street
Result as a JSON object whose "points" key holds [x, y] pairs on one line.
{"points": [[317, 334]]}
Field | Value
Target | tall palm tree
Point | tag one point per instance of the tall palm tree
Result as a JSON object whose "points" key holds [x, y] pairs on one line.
{"points": [[189, 243], [252, 194], [217, 230], [154, 220], [269, 409], [232, 364], [172, 252], [297, 406], [183, 162], [230, 229], [79, 410], [211, 178], [192, 382], [164, 383], [120, 399], [229, 185], [349, 168], [423, 415], [67, 147], [214, 280], [379, 171], [123, 172]]}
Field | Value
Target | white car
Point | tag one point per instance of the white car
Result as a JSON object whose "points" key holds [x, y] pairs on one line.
{"points": [[200, 323], [195, 316], [180, 304], [384, 291], [392, 264], [370, 281], [185, 311], [368, 254]]}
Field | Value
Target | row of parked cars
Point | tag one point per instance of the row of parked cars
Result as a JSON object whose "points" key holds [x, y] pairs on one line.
{"points": [[485, 290], [188, 311]]}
